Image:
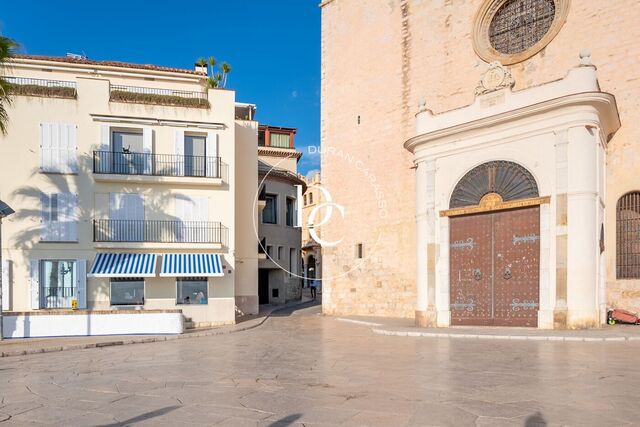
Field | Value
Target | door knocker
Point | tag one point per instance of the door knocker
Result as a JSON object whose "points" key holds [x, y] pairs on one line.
{"points": [[477, 274], [507, 273]]}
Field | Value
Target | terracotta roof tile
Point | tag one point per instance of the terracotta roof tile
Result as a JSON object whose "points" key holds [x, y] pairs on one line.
{"points": [[108, 63]]}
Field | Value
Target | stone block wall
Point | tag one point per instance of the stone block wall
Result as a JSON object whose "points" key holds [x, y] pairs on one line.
{"points": [[379, 60]]}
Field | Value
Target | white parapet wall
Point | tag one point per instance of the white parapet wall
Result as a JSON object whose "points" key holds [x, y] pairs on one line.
{"points": [[87, 322]]}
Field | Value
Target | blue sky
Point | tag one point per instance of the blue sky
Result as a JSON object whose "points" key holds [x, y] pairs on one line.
{"points": [[272, 46]]}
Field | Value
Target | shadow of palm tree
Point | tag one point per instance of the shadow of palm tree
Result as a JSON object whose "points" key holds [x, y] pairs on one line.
{"points": [[286, 421], [142, 417]]}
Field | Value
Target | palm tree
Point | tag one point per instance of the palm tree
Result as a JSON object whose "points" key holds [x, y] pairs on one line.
{"points": [[226, 69], [212, 63], [7, 46], [201, 62]]}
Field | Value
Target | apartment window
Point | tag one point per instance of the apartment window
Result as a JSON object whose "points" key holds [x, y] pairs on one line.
{"points": [[280, 140], [627, 236], [261, 138], [58, 148], [59, 217], [305, 200], [310, 198], [270, 211], [360, 250], [270, 251], [58, 283], [291, 212], [127, 291], [280, 252], [192, 290]]}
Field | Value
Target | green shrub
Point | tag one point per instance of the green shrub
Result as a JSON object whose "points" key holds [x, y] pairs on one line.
{"points": [[46, 91], [152, 98]]}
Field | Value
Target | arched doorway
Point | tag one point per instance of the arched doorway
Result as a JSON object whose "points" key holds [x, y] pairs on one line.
{"points": [[311, 269], [494, 249]]}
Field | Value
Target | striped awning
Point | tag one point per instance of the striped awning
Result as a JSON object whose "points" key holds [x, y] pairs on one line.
{"points": [[191, 265], [115, 264]]}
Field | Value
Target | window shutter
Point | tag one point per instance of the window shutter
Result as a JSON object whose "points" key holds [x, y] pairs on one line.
{"points": [[6, 296], [105, 138], [201, 206], [45, 147], [147, 148], [34, 274], [179, 164], [68, 216], [81, 284], [57, 161], [180, 203], [212, 152], [72, 148], [45, 212]]}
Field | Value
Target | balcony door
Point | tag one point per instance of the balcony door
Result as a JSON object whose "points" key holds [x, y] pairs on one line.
{"points": [[195, 155], [128, 153], [126, 214]]}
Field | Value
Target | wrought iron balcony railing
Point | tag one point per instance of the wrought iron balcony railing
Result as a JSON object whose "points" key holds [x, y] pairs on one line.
{"points": [[41, 87], [127, 163], [158, 231], [57, 296], [149, 95]]}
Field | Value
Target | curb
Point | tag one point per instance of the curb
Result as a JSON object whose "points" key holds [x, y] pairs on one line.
{"points": [[498, 337], [146, 340]]}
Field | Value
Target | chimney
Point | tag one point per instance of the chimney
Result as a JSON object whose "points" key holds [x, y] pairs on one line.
{"points": [[201, 69]]}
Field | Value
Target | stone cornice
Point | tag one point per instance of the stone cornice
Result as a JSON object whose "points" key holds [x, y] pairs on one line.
{"points": [[604, 103]]}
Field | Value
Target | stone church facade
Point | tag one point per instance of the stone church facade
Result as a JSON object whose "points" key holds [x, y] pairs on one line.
{"points": [[495, 142]]}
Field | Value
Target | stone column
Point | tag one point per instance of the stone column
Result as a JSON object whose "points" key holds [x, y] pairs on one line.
{"points": [[425, 256], [560, 306], [582, 228]]}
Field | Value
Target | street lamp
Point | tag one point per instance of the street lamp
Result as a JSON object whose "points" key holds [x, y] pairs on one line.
{"points": [[5, 211]]}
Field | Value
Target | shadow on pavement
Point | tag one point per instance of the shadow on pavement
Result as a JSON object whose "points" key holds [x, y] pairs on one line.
{"points": [[535, 420], [288, 311], [143, 417], [286, 421]]}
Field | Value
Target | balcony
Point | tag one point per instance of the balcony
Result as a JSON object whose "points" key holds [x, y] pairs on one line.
{"points": [[158, 96], [118, 166], [41, 87], [158, 233]]}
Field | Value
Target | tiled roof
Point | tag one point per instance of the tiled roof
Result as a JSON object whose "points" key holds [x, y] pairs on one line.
{"points": [[72, 60], [279, 152]]}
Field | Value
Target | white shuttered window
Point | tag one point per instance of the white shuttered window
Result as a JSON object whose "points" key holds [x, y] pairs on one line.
{"points": [[58, 147], [59, 217]]}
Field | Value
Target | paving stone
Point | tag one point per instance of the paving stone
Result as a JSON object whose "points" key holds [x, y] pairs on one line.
{"points": [[316, 370]]}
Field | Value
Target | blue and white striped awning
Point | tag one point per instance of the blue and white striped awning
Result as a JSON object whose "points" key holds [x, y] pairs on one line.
{"points": [[191, 265], [124, 265]]}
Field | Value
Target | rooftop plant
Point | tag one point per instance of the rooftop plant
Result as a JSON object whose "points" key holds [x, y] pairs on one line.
{"points": [[216, 73]]}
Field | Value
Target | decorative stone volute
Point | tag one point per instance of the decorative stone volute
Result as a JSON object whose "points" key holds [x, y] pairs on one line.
{"points": [[495, 78]]}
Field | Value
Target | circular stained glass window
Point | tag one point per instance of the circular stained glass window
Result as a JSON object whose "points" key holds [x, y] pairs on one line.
{"points": [[511, 31], [520, 24]]}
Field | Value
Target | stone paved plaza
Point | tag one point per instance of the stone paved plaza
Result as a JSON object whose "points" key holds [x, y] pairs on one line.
{"points": [[301, 368]]}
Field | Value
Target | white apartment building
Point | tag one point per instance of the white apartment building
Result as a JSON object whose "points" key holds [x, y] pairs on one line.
{"points": [[129, 194]]}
